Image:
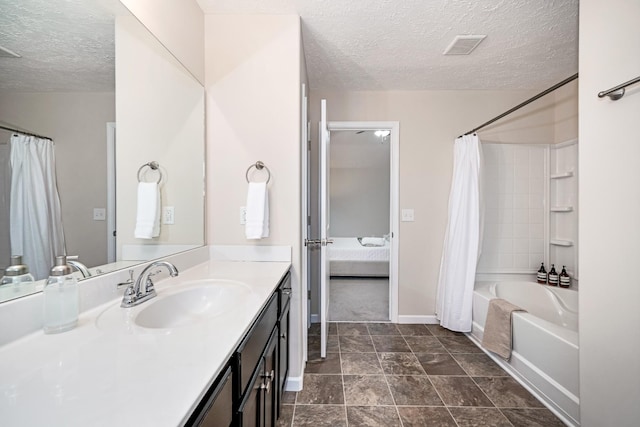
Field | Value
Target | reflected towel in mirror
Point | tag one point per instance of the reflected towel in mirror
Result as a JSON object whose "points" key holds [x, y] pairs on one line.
{"points": [[257, 217], [149, 206]]}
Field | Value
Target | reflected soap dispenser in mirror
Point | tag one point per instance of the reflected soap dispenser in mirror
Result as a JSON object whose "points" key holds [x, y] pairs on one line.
{"points": [[17, 277], [60, 298]]}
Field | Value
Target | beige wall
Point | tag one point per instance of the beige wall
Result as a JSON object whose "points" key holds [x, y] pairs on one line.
{"points": [[179, 25], [609, 215], [77, 122], [566, 112], [253, 86], [160, 117], [429, 123]]}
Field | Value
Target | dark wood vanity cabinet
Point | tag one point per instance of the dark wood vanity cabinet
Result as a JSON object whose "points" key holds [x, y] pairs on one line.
{"points": [[248, 393], [283, 330]]}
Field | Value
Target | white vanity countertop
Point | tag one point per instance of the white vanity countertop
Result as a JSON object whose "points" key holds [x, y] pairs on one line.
{"points": [[101, 375]]}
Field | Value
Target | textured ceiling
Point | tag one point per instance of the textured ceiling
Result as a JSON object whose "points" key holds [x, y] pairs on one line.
{"points": [[66, 45], [398, 44]]}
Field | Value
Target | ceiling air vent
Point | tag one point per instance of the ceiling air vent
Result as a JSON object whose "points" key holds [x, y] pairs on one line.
{"points": [[6, 53], [463, 45]]}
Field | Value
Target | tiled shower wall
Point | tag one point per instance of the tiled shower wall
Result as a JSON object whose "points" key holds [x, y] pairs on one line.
{"points": [[515, 211]]}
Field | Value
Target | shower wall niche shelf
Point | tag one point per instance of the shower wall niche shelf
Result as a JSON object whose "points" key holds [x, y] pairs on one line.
{"points": [[560, 242], [562, 209], [561, 175]]}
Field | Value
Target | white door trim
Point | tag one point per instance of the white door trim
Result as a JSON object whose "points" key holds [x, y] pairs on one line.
{"points": [[304, 212], [394, 207], [111, 192]]}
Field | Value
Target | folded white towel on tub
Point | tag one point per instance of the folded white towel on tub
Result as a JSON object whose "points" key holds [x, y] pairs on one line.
{"points": [[257, 217], [373, 241], [148, 214]]}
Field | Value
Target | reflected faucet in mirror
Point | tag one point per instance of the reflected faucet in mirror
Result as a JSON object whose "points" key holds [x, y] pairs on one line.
{"points": [[72, 260], [143, 289]]}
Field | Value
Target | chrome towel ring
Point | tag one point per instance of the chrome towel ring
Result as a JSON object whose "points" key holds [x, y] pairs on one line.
{"points": [[153, 166], [258, 165]]}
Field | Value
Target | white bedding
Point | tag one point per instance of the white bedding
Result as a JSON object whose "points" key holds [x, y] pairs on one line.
{"points": [[350, 249]]}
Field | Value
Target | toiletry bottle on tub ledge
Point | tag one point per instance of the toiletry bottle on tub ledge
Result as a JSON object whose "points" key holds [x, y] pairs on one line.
{"points": [[542, 275], [565, 279], [553, 276]]}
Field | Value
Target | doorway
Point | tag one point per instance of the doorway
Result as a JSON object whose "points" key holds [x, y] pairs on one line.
{"points": [[360, 184], [362, 206]]}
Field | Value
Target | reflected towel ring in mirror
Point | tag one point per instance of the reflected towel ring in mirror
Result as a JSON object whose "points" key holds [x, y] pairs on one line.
{"points": [[258, 165], [153, 166]]}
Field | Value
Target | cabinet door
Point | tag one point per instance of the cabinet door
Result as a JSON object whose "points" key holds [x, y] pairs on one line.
{"points": [[283, 354], [216, 408], [271, 380], [251, 412]]}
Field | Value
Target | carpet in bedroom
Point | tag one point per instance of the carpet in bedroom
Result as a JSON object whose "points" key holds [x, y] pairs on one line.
{"points": [[359, 299]]}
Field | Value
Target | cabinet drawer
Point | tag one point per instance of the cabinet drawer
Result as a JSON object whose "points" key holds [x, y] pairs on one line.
{"points": [[251, 349], [284, 293]]}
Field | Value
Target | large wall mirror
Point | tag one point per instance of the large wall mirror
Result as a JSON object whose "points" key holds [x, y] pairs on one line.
{"points": [[113, 99]]}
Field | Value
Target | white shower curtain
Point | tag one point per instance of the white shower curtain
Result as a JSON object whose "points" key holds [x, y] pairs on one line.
{"points": [[463, 237], [35, 219]]}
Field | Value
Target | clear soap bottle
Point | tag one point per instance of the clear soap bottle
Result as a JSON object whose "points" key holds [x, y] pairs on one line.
{"points": [[60, 298]]}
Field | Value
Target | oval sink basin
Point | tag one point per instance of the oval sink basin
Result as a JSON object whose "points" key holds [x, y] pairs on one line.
{"points": [[192, 304]]}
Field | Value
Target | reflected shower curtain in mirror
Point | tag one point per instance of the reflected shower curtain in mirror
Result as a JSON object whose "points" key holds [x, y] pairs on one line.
{"points": [[35, 220], [463, 237]]}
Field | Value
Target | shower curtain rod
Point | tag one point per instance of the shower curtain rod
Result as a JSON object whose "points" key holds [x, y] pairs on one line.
{"points": [[25, 133], [522, 104]]}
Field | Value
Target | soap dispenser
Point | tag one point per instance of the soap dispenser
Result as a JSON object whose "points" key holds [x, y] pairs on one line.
{"points": [[60, 298], [17, 274]]}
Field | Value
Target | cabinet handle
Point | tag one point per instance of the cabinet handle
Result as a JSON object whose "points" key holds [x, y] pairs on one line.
{"points": [[286, 291], [269, 379]]}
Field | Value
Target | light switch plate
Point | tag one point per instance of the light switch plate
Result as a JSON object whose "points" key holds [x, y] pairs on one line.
{"points": [[168, 215], [243, 215], [99, 214], [407, 215]]}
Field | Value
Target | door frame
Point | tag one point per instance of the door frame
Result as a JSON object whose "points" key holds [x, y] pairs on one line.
{"points": [[394, 197], [111, 192]]}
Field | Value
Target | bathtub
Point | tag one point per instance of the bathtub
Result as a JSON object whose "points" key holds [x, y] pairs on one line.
{"points": [[545, 341]]}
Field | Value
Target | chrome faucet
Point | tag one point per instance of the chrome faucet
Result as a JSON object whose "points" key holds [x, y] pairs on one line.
{"points": [[72, 260], [143, 290]]}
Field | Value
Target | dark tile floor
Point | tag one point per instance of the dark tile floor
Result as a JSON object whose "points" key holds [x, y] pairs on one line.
{"points": [[382, 374]]}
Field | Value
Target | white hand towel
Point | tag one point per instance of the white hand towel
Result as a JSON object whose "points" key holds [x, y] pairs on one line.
{"points": [[373, 241], [257, 225], [148, 216]]}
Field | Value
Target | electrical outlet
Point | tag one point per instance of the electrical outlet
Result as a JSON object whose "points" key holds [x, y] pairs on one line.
{"points": [[99, 214], [407, 215], [168, 215], [243, 215]]}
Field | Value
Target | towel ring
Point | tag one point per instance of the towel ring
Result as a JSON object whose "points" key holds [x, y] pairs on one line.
{"points": [[258, 165], [153, 166]]}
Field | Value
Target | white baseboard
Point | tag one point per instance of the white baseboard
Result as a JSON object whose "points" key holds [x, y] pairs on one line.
{"points": [[293, 384], [315, 318], [428, 319]]}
